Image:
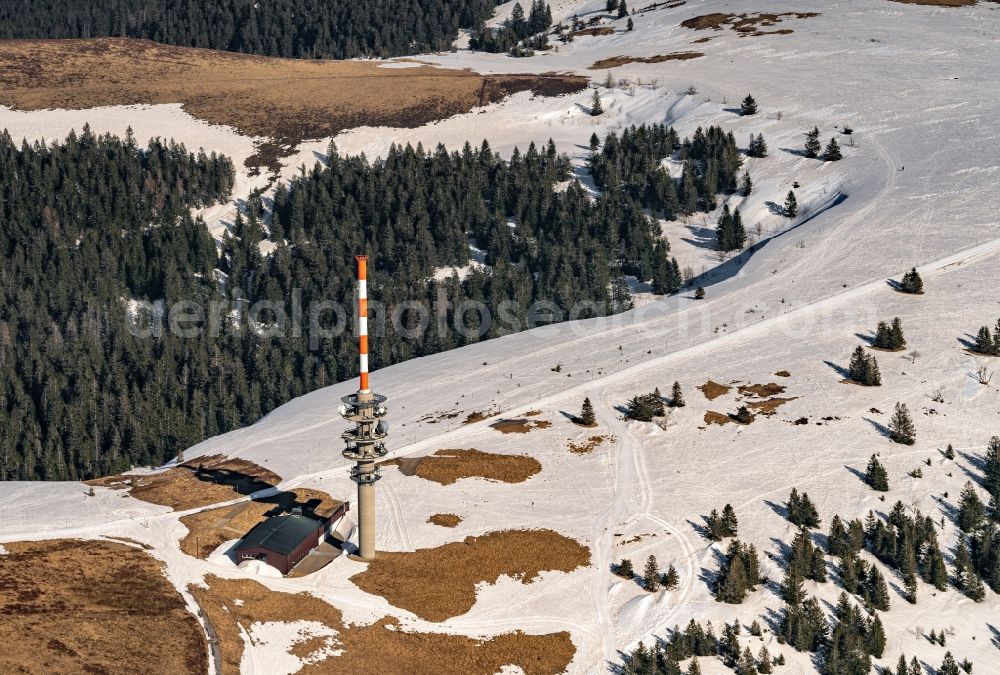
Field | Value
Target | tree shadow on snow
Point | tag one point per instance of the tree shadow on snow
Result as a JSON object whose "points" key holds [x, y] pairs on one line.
{"points": [[969, 341], [840, 370], [798, 152], [866, 337], [860, 474], [894, 285], [699, 528], [780, 509], [994, 635], [879, 427], [784, 550], [775, 208], [732, 267]]}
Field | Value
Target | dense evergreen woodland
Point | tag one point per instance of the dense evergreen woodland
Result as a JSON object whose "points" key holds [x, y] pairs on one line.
{"points": [[83, 225], [290, 28], [93, 222]]}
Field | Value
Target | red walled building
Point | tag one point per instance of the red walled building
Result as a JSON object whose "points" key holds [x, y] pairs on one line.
{"points": [[283, 541]]}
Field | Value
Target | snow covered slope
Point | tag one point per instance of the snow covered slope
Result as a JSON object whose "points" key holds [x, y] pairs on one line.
{"points": [[918, 187]]}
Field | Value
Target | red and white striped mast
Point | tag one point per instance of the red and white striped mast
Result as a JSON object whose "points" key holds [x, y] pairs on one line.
{"points": [[365, 442]]}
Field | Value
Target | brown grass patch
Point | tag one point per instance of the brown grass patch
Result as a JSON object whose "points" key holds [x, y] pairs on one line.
{"points": [[769, 406], [285, 99], [72, 606], [439, 583], [448, 466], [478, 416], [445, 519], [207, 530], [383, 646], [200, 482], [617, 61], [713, 390], [586, 446], [782, 373], [519, 426], [939, 3], [712, 417], [745, 24], [599, 30], [761, 390]]}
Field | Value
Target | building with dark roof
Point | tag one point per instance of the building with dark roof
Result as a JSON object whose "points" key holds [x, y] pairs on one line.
{"points": [[282, 541]]}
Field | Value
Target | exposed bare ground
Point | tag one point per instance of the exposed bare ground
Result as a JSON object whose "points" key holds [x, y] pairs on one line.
{"points": [[445, 519], [383, 646], [478, 416], [599, 30], [519, 426], [586, 446], [783, 373], [284, 99], [617, 61], [448, 466], [200, 482], [72, 606], [713, 390], [207, 530], [761, 390], [769, 406], [745, 24], [439, 583], [712, 417]]}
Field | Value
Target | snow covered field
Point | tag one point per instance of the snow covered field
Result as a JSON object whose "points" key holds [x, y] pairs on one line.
{"points": [[918, 187]]}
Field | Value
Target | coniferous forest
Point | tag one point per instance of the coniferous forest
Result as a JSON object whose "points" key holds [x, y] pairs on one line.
{"points": [[289, 28], [94, 222]]}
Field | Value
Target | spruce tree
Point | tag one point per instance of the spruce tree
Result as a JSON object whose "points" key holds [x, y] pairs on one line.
{"points": [[948, 665], [629, 25], [812, 143], [746, 185], [610, 6], [729, 522], [622, 9], [791, 205], [671, 579], [748, 106], [901, 426], [595, 107], [625, 569], [876, 475], [743, 415], [912, 283], [991, 467], [971, 511], [901, 668], [677, 396], [651, 575], [832, 152], [764, 661], [587, 417]]}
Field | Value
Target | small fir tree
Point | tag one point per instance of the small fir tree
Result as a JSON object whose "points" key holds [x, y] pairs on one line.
{"points": [[748, 106], [629, 25], [901, 426], [791, 205], [625, 569], [622, 9], [912, 283], [746, 185], [587, 417], [971, 511], [699, 293], [743, 415], [832, 152], [812, 143], [677, 396], [876, 475], [671, 579], [948, 665], [651, 575], [595, 107]]}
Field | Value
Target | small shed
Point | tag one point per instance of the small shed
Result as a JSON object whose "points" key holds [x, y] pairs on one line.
{"points": [[282, 541]]}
